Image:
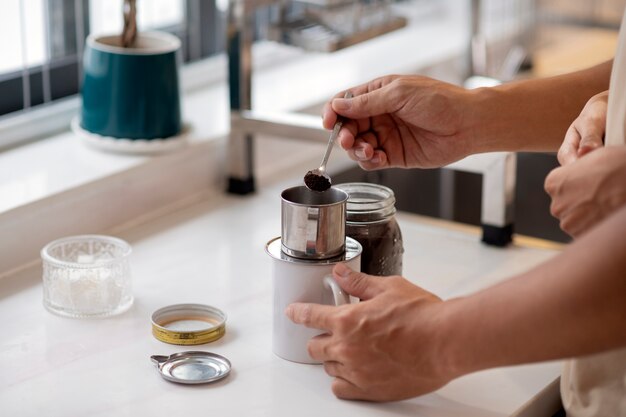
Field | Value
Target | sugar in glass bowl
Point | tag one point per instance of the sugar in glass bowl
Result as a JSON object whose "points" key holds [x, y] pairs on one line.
{"points": [[87, 276]]}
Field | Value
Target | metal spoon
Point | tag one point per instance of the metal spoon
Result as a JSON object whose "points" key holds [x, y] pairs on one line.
{"points": [[318, 179]]}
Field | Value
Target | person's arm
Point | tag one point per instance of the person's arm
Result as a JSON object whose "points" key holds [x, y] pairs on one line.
{"points": [[533, 115], [572, 305], [415, 121], [402, 341]]}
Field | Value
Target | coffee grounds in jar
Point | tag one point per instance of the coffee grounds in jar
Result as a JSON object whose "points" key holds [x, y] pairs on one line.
{"points": [[316, 182], [382, 247]]}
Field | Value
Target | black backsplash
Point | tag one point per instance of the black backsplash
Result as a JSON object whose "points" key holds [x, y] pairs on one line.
{"points": [[418, 191]]}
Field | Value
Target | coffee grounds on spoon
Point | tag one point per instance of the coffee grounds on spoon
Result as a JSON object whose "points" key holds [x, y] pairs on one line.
{"points": [[316, 182]]}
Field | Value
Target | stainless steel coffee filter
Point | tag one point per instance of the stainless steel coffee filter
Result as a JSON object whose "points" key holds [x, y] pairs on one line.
{"points": [[313, 224]]}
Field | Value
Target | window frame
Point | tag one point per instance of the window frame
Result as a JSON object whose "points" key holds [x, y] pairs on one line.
{"points": [[64, 73]]}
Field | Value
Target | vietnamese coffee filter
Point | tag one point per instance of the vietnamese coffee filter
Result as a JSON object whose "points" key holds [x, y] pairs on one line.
{"points": [[313, 223]]}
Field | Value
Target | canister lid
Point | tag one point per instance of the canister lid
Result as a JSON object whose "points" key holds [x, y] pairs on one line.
{"points": [[195, 367], [188, 324], [368, 202], [353, 249]]}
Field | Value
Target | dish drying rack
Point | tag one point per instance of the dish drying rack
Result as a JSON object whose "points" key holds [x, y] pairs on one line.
{"points": [[331, 25]]}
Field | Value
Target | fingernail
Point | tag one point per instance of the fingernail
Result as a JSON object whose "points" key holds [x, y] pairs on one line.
{"points": [[360, 153], [375, 159], [342, 270], [288, 310], [342, 104]]}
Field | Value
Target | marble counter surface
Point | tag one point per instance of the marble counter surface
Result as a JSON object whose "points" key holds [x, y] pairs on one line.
{"points": [[212, 253]]}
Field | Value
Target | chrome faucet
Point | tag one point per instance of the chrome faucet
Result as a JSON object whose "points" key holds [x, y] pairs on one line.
{"points": [[498, 169]]}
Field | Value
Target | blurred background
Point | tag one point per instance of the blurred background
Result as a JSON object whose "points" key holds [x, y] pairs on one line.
{"points": [[43, 40]]}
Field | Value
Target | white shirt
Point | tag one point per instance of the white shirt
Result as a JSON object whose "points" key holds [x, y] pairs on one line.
{"points": [[595, 386], [616, 113]]}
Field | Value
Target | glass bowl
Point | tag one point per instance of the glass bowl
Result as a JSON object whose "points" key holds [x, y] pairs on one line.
{"points": [[87, 276]]}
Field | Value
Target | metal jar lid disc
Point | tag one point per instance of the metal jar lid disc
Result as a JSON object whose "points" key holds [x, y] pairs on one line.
{"points": [[194, 367], [188, 324]]}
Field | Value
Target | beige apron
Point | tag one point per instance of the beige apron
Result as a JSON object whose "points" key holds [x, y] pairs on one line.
{"points": [[595, 386]]}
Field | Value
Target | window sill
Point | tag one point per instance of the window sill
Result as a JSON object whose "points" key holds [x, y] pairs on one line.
{"points": [[59, 187]]}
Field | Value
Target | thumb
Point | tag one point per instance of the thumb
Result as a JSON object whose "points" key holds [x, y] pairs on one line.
{"points": [[591, 138], [355, 283], [365, 105], [588, 144]]}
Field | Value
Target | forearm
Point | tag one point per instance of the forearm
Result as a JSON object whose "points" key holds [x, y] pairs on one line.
{"points": [[572, 305], [533, 115]]}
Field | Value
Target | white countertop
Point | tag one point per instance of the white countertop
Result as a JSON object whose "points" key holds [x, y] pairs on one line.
{"points": [[212, 253]]}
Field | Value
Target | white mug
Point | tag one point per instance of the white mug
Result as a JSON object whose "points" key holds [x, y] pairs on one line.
{"points": [[306, 281]]}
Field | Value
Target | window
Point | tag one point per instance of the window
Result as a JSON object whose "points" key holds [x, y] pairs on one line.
{"points": [[105, 15], [43, 40], [32, 60]]}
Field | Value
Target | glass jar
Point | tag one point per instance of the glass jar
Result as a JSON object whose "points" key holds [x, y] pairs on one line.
{"points": [[370, 219]]}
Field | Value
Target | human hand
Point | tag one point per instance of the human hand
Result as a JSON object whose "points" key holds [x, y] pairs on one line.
{"points": [[386, 347], [586, 133], [402, 121], [587, 190]]}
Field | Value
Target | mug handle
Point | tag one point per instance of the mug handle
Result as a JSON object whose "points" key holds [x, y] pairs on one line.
{"points": [[339, 295]]}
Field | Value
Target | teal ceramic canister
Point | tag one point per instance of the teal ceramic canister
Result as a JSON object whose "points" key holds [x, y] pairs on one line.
{"points": [[132, 93]]}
